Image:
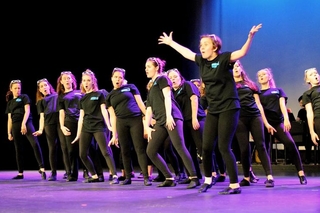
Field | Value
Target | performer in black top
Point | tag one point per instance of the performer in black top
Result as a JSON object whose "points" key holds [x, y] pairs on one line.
{"points": [[311, 101], [251, 120], [47, 107], [188, 97], [273, 100], [223, 102], [94, 123], [162, 106], [20, 124], [125, 106]]}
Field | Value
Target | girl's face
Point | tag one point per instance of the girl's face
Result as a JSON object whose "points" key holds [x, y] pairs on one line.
{"points": [[236, 70], [263, 77], [175, 79], [151, 69], [207, 48], [15, 89], [117, 79], [66, 81], [312, 77], [87, 83], [44, 88]]}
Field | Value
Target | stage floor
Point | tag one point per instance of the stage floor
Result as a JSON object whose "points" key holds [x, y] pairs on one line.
{"points": [[35, 195]]}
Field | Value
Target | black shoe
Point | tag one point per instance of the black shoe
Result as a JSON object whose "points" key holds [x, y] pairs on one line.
{"points": [[185, 181], [167, 183], [110, 177], [53, 176], [244, 182], [18, 177], [65, 176], [147, 182], [230, 191], [158, 179], [101, 178], [221, 178], [91, 180], [214, 180], [132, 175], [126, 182], [193, 183], [85, 174], [43, 175], [269, 183], [140, 175], [72, 179], [253, 177], [114, 180], [204, 187], [121, 178], [303, 180]]}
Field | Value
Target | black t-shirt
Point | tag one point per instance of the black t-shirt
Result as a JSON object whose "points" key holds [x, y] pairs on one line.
{"points": [[155, 100], [220, 89], [313, 96], [182, 96], [247, 101], [270, 102], [70, 103], [93, 120], [123, 101], [49, 106], [302, 114], [16, 108]]}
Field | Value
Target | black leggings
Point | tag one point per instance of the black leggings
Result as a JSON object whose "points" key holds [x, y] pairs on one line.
{"points": [[102, 138], [220, 126], [53, 133], [288, 142], [176, 136], [256, 127], [131, 130], [18, 140]]}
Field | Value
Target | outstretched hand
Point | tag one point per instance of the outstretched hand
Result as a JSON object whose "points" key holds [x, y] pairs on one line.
{"points": [[165, 39], [254, 29]]}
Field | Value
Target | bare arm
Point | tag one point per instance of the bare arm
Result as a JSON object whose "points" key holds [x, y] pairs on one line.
{"points": [[245, 48], [25, 118], [79, 129], [185, 52], [9, 126], [140, 103], [41, 125], [105, 115], [194, 110], [287, 124], [310, 118], [113, 121], [270, 128]]}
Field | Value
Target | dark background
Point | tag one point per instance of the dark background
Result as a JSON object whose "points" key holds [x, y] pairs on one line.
{"points": [[40, 41]]}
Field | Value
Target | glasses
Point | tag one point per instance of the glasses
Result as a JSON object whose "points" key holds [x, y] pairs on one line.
{"points": [[310, 69], [117, 69], [41, 80], [87, 72], [15, 81], [65, 72], [154, 60], [214, 38]]}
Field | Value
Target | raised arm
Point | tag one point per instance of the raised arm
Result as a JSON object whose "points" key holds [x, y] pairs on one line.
{"points": [[185, 52], [245, 48]]}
